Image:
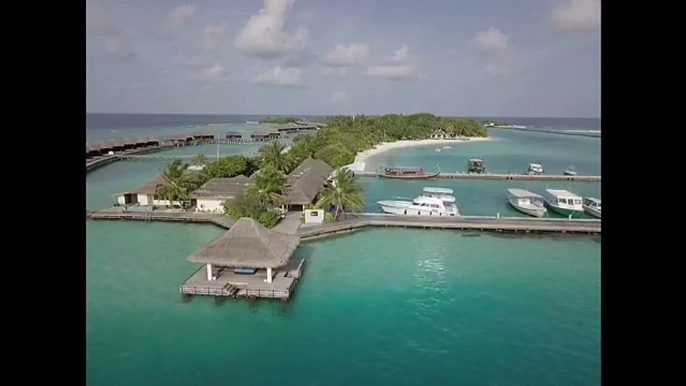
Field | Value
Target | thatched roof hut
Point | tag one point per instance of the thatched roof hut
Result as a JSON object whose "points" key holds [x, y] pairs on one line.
{"points": [[306, 180], [150, 187], [247, 244], [223, 188]]}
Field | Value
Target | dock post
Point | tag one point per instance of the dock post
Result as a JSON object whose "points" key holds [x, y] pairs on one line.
{"points": [[497, 215], [269, 275]]}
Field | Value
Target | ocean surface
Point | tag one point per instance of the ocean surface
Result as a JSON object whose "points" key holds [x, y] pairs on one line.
{"points": [[383, 307]]}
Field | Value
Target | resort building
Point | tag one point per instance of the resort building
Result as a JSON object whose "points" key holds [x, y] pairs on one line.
{"points": [[248, 260], [260, 136], [98, 148], [305, 182], [440, 134], [210, 197], [179, 139], [233, 136], [145, 195], [290, 128]]}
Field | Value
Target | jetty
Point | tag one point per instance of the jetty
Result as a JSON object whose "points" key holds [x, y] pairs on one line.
{"points": [[509, 176], [364, 220]]}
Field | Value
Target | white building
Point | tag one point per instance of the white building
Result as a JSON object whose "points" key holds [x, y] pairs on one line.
{"points": [[145, 195], [210, 197]]}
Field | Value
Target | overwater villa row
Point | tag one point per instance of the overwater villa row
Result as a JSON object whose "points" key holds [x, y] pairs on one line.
{"points": [[248, 260]]}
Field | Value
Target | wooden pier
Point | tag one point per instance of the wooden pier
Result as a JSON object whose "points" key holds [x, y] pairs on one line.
{"points": [[229, 284], [223, 221], [469, 223], [94, 163], [363, 220], [491, 176]]}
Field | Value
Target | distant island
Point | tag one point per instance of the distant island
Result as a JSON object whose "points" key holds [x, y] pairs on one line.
{"points": [[491, 123], [279, 120]]}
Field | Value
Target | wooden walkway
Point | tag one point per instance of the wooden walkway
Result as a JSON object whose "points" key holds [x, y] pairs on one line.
{"points": [[472, 223], [223, 221], [490, 176], [358, 221], [95, 163]]}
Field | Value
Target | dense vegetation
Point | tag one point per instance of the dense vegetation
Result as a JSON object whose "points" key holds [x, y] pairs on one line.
{"points": [[279, 120], [343, 136]]}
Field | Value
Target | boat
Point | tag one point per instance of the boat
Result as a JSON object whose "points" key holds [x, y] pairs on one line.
{"points": [[438, 149], [535, 169], [570, 171], [433, 202], [563, 202], [592, 206], [526, 202], [407, 172], [476, 165], [447, 147]]}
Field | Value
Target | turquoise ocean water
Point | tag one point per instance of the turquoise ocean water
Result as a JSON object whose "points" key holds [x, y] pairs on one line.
{"points": [[386, 306]]}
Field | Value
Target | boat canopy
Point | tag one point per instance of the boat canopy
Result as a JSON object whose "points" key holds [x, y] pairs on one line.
{"points": [[593, 199], [438, 190], [521, 193], [562, 193], [534, 165]]}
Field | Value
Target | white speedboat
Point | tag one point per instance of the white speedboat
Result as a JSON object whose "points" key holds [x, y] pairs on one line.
{"points": [[592, 206], [434, 202], [446, 147], [563, 202], [535, 169], [570, 171], [438, 149], [526, 202]]}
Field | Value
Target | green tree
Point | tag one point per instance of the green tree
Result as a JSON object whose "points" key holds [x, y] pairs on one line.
{"points": [[270, 187], [274, 155], [250, 206], [344, 192], [226, 167], [176, 183], [335, 155]]}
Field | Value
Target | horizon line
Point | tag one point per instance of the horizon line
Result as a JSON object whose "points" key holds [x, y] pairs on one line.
{"points": [[331, 115]]}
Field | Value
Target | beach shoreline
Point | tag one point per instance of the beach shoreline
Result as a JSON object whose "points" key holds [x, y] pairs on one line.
{"points": [[361, 157]]}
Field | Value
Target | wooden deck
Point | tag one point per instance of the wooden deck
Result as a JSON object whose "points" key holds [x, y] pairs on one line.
{"points": [[473, 223], [363, 220], [490, 176], [223, 221], [229, 284]]}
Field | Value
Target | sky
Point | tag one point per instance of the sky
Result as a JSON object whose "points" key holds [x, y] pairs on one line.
{"points": [[497, 58]]}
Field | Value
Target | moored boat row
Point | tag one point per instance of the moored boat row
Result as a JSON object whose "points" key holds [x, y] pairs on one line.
{"points": [[562, 202]]}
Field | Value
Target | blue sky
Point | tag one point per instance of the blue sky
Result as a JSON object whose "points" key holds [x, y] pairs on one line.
{"points": [[447, 57]]}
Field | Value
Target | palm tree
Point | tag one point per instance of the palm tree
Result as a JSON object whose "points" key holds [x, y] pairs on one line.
{"points": [[344, 192], [200, 159], [176, 185], [270, 187], [274, 155]]}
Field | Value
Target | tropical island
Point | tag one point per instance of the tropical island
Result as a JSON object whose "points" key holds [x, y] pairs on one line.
{"points": [[266, 186], [279, 120]]}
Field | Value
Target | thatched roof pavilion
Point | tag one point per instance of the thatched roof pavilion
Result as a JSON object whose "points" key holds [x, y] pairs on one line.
{"points": [[247, 244], [306, 180]]}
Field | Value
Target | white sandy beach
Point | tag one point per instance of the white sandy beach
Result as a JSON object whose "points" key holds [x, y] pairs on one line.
{"points": [[385, 146]]}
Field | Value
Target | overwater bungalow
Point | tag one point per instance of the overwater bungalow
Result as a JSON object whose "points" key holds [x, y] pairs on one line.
{"points": [[203, 136], [260, 136], [210, 197], [441, 134], [305, 182], [180, 139], [248, 260], [233, 136]]}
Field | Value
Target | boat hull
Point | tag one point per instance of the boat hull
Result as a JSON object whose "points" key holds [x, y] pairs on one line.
{"points": [[535, 211], [575, 213], [410, 177], [401, 209], [592, 211]]}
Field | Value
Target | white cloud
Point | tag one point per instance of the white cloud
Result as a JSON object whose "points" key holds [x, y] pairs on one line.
{"points": [[213, 37], [264, 34], [495, 49], [177, 17], [577, 15], [339, 96], [277, 76], [99, 18], [342, 56], [118, 47], [401, 66], [330, 71], [192, 62], [213, 73]]}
